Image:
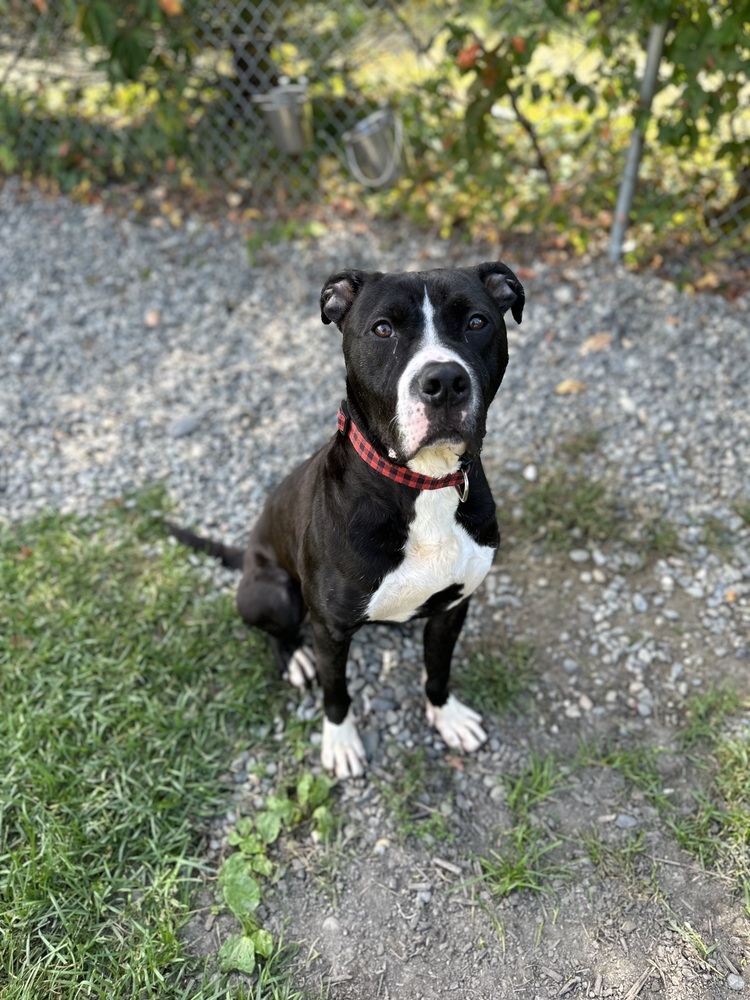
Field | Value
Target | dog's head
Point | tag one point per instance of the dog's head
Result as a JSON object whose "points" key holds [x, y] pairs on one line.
{"points": [[425, 352]]}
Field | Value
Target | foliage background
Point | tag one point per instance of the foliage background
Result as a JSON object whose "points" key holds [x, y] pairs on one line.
{"points": [[517, 116]]}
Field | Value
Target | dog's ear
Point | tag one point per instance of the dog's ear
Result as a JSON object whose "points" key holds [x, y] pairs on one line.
{"points": [[338, 293], [503, 286]]}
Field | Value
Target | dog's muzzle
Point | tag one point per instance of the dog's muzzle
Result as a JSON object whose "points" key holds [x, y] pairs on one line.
{"points": [[444, 384]]}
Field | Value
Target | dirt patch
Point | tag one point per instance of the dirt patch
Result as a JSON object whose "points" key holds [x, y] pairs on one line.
{"points": [[416, 898]]}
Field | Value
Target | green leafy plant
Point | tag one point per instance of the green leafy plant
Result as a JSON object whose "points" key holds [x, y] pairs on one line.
{"points": [[240, 875]]}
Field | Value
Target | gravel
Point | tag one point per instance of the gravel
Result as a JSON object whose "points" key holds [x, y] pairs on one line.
{"points": [[134, 354]]}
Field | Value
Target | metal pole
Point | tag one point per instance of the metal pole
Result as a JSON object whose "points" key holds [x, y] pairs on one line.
{"points": [[630, 174]]}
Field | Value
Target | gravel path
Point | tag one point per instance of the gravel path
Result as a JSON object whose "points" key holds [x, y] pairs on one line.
{"points": [[133, 354]]}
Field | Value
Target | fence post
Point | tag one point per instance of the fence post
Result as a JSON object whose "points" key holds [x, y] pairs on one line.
{"points": [[630, 174]]}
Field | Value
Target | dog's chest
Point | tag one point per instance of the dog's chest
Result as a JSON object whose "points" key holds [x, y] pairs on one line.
{"points": [[439, 554]]}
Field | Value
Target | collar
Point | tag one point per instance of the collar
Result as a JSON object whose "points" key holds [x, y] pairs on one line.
{"points": [[398, 473]]}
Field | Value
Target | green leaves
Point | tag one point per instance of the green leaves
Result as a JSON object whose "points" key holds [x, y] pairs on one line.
{"points": [[306, 801], [241, 891], [237, 954]]}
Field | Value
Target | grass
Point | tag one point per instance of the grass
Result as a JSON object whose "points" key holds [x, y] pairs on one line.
{"points": [[496, 682], [123, 683], [706, 714], [523, 859], [717, 831], [410, 779], [566, 508]]}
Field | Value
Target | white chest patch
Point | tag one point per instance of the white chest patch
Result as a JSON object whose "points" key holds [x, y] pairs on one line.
{"points": [[437, 554]]}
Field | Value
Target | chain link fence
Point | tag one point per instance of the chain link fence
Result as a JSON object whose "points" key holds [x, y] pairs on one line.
{"points": [[268, 100], [287, 101]]}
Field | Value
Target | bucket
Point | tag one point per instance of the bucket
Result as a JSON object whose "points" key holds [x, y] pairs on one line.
{"points": [[373, 148], [285, 109]]}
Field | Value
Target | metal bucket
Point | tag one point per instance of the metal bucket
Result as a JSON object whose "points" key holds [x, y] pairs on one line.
{"points": [[373, 148], [286, 111]]}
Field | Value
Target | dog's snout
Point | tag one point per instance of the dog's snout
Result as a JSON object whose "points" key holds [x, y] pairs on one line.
{"points": [[443, 383]]}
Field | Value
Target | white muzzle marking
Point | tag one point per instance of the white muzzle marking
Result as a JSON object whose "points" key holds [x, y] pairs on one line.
{"points": [[412, 413]]}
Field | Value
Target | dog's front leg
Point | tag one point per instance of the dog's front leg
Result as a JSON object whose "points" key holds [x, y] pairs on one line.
{"points": [[342, 750], [459, 726]]}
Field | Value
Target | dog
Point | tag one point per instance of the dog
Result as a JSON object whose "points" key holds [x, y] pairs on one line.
{"points": [[392, 519]]}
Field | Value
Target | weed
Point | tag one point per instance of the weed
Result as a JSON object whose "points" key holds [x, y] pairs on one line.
{"points": [[522, 862], [659, 539], [637, 765], [495, 681], [716, 535], [565, 507], [706, 714], [692, 938], [241, 874], [623, 861], [583, 442], [742, 510], [539, 779], [403, 794], [282, 231]]}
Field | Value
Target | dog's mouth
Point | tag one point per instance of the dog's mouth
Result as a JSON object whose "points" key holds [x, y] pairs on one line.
{"points": [[445, 448]]}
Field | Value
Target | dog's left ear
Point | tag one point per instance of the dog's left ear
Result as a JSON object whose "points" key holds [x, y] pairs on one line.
{"points": [[338, 294], [503, 286]]}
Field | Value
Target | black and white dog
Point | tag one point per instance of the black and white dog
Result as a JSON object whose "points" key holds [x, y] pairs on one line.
{"points": [[392, 519]]}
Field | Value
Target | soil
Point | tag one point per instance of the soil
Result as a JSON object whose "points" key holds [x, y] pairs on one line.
{"points": [[384, 914]]}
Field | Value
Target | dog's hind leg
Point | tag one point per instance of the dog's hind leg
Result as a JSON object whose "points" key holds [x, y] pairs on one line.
{"points": [[268, 598]]}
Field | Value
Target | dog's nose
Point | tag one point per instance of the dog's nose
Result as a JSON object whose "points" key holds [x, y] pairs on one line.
{"points": [[443, 383]]}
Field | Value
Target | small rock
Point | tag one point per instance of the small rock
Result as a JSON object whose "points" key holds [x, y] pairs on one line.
{"points": [[625, 822], [579, 555], [331, 926], [152, 318], [640, 604], [184, 426], [586, 703], [530, 473], [735, 982]]}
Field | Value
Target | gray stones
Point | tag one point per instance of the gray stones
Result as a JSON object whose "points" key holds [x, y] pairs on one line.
{"points": [[579, 555], [184, 426]]}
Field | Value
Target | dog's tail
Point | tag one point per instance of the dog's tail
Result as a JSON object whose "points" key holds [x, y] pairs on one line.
{"points": [[226, 554]]}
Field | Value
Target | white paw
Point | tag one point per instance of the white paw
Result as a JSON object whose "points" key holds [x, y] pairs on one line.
{"points": [[459, 726], [301, 669], [342, 751]]}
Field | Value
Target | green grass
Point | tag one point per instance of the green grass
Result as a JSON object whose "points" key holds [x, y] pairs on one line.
{"points": [[716, 832], [566, 508], [742, 510], [706, 714], [123, 683], [535, 782], [497, 681], [583, 442], [523, 859], [412, 777]]}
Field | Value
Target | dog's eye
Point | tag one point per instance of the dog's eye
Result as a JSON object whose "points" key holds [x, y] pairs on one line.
{"points": [[477, 322], [383, 329]]}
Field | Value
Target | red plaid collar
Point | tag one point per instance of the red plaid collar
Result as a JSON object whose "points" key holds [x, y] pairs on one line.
{"points": [[398, 473]]}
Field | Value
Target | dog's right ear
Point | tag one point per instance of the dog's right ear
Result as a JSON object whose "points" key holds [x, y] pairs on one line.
{"points": [[338, 293]]}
